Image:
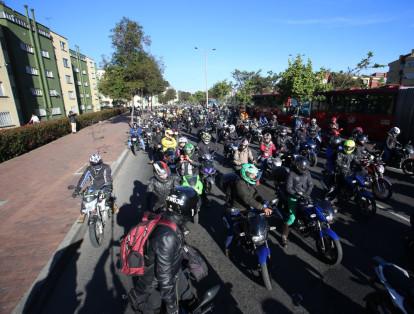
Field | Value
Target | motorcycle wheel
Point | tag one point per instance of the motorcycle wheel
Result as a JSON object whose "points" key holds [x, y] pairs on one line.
{"points": [[382, 189], [96, 233], [313, 159], [332, 254], [407, 167], [265, 276], [368, 207]]}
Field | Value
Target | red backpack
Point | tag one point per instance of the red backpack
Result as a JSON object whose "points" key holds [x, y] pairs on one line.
{"points": [[133, 245]]}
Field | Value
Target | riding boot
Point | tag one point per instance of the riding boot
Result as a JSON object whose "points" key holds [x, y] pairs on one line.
{"points": [[285, 233]]}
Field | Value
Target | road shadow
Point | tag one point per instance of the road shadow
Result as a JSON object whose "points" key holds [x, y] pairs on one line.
{"points": [[272, 306], [64, 260], [130, 214]]}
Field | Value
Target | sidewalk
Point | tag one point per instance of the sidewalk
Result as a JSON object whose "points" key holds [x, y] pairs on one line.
{"points": [[36, 208]]}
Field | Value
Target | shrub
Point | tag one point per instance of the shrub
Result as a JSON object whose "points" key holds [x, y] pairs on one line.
{"points": [[17, 141]]}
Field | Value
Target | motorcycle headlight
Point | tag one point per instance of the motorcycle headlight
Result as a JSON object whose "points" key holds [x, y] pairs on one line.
{"points": [[258, 238], [381, 168], [329, 217], [313, 146]]}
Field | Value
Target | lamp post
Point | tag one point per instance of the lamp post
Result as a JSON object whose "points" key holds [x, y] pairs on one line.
{"points": [[205, 51]]}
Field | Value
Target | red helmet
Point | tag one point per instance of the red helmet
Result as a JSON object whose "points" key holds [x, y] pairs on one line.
{"points": [[333, 119]]}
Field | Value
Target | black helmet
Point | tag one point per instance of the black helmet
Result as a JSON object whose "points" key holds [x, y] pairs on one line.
{"points": [[362, 139], [161, 171], [182, 201], [301, 164]]}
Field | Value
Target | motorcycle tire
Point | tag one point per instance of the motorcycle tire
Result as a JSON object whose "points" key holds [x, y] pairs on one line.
{"points": [[313, 159], [96, 233], [382, 189], [407, 166], [367, 207], [331, 246], [265, 276]]}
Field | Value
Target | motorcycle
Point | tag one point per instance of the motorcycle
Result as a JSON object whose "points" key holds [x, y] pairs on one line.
{"points": [[134, 144], [256, 134], [404, 158], [95, 206], [308, 149], [194, 181], [356, 188], [229, 151], [381, 186], [208, 172], [251, 230], [314, 219], [393, 289]]}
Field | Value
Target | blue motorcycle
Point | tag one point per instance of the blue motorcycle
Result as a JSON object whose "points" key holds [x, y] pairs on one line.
{"points": [[315, 219], [251, 229]]}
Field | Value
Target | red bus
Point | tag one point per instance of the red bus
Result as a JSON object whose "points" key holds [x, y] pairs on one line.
{"points": [[376, 110]]}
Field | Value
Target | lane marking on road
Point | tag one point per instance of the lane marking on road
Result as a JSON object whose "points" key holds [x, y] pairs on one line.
{"points": [[406, 219], [387, 209]]}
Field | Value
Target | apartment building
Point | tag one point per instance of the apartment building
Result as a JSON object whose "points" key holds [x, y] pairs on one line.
{"points": [[92, 74], [401, 71], [31, 59], [81, 79]]}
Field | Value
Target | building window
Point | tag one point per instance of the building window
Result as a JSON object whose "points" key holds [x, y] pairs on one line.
{"points": [[76, 70], [409, 64], [56, 111], [36, 91], [66, 63], [2, 93], [68, 79], [71, 95], [62, 46], [32, 71], [87, 95], [49, 74], [79, 83], [5, 119], [409, 76], [86, 84], [45, 54], [53, 93], [26, 47], [84, 72]]}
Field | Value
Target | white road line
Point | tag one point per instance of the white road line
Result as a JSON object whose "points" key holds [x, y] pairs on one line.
{"points": [[390, 211], [400, 216]]}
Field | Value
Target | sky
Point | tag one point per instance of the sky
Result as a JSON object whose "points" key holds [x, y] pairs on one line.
{"points": [[247, 35]]}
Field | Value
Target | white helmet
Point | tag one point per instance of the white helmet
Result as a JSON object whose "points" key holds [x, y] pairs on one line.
{"points": [[183, 139], [95, 159], [395, 130], [313, 121], [232, 128]]}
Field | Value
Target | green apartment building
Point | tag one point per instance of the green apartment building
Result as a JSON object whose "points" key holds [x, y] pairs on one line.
{"points": [[30, 51], [81, 79]]}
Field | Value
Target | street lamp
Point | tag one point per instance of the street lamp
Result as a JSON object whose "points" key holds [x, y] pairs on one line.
{"points": [[205, 68]]}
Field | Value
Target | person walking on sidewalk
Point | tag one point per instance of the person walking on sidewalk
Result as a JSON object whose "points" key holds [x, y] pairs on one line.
{"points": [[72, 120]]}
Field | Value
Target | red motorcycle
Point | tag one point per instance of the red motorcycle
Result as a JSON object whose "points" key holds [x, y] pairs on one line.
{"points": [[381, 186]]}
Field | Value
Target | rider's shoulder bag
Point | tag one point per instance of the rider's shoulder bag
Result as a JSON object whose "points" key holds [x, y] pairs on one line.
{"points": [[132, 246]]}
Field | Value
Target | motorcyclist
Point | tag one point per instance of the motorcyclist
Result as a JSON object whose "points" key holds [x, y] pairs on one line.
{"points": [[205, 146], [136, 131], [165, 279], [273, 122], [362, 150], [301, 135], [391, 143], [299, 184], [168, 141], [263, 120], [356, 132], [97, 175], [186, 164], [182, 141], [283, 141], [243, 155], [155, 141], [159, 186], [313, 129], [243, 195]]}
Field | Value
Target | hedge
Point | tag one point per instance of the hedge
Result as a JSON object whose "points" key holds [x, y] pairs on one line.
{"points": [[17, 141]]}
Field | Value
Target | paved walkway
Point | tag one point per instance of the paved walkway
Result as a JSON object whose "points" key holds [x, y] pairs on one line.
{"points": [[36, 208]]}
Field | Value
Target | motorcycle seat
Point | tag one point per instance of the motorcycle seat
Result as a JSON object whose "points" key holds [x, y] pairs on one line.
{"points": [[399, 281]]}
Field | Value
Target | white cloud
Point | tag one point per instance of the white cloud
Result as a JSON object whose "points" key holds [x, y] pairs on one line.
{"points": [[337, 21]]}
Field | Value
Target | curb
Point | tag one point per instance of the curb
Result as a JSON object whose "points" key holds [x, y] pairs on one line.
{"points": [[34, 297]]}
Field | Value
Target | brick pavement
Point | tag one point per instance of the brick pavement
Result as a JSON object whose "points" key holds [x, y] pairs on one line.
{"points": [[38, 210]]}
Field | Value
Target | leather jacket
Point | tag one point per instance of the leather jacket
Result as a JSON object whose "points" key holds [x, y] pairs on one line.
{"points": [[204, 148], [299, 183], [99, 176], [163, 260], [344, 162], [158, 190], [243, 195]]}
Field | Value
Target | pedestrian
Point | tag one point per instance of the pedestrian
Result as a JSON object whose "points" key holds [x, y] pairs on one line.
{"points": [[34, 119], [72, 120]]}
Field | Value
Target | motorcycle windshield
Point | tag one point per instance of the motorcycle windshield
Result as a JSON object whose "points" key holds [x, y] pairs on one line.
{"points": [[257, 225]]}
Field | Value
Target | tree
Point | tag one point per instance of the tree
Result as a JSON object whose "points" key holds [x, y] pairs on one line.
{"points": [[350, 78], [169, 95], [220, 90], [199, 97], [184, 96], [300, 82]]}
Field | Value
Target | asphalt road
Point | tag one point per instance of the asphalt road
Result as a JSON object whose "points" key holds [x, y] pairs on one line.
{"points": [[301, 282]]}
